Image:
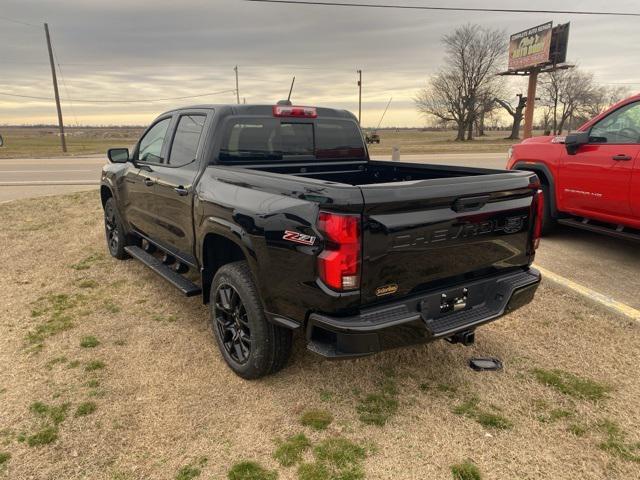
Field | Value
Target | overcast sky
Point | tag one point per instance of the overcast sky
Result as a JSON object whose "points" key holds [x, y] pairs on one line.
{"points": [[138, 50]]}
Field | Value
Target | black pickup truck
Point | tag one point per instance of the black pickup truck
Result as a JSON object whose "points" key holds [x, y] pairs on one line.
{"points": [[277, 216]]}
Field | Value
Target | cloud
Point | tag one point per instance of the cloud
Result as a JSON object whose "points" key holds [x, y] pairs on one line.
{"points": [[141, 50]]}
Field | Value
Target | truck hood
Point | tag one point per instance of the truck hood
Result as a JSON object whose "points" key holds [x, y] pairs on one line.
{"points": [[540, 139]]}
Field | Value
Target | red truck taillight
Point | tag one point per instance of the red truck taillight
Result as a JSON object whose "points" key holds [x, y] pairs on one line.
{"points": [[539, 209], [291, 111], [339, 262]]}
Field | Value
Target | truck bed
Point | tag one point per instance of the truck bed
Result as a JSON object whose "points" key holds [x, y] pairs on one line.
{"points": [[425, 224], [372, 172]]}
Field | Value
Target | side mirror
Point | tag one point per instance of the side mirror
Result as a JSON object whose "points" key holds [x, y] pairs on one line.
{"points": [[573, 141], [118, 155], [1, 141]]}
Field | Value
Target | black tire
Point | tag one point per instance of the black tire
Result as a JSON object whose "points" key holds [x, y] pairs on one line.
{"points": [[548, 222], [114, 230], [251, 346]]}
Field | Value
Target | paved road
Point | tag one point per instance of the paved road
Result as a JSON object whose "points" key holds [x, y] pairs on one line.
{"points": [[604, 264], [36, 177]]}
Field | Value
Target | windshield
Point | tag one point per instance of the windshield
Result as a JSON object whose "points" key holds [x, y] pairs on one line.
{"points": [[281, 139]]}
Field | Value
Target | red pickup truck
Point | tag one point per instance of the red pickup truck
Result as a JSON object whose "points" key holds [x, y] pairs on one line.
{"points": [[590, 178]]}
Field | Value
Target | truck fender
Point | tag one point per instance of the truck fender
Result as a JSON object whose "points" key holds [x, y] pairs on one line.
{"points": [[106, 191], [545, 175], [233, 236]]}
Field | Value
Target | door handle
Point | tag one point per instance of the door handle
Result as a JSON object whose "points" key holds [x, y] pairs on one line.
{"points": [[183, 192], [621, 157], [149, 182]]}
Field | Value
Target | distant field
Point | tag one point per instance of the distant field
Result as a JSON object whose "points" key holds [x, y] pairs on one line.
{"points": [[45, 142], [416, 141]]}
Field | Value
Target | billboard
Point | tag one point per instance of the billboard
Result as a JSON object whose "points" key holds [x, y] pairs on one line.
{"points": [[559, 43], [530, 47]]}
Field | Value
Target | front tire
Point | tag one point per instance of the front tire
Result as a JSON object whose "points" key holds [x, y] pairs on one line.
{"points": [[249, 344], [114, 231]]}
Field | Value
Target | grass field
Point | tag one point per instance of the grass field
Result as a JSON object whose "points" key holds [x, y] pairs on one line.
{"points": [[45, 142], [417, 142], [108, 374]]}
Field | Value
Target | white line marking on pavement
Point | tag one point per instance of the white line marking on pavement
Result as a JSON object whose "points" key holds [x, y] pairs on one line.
{"points": [[604, 300]]}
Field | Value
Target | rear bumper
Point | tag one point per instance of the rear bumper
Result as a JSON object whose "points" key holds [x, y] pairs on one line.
{"points": [[418, 319]]}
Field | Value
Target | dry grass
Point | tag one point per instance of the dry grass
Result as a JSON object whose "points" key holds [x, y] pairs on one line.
{"points": [[417, 142], [164, 400], [45, 142]]}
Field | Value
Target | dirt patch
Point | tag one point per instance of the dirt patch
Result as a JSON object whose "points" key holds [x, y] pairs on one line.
{"points": [[152, 399]]}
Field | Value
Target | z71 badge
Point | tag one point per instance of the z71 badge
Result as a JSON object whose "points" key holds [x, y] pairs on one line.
{"points": [[299, 238]]}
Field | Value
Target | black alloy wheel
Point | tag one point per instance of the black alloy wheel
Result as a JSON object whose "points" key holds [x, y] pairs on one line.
{"points": [[111, 228], [249, 344], [116, 239], [232, 323]]}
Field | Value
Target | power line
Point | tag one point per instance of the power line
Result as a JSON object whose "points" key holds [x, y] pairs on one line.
{"points": [[447, 9], [64, 84], [25, 96], [20, 22], [84, 100]]}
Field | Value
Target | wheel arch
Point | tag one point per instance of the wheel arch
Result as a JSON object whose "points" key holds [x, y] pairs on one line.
{"points": [[546, 178], [105, 194], [218, 250]]}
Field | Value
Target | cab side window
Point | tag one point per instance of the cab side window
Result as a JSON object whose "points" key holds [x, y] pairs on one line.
{"points": [[186, 140], [150, 149], [622, 126]]}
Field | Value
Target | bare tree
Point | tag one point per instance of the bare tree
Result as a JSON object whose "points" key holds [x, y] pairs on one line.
{"points": [[603, 97], [568, 94], [487, 106], [516, 112], [546, 121], [458, 92], [443, 100]]}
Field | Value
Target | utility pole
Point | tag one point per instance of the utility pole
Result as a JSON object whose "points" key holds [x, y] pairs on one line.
{"points": [[360, 97], [55, 89], [237, 87], [531, 100]]}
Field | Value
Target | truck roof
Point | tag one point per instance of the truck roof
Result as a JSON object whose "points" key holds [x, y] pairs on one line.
{"points": [[262, 109]]}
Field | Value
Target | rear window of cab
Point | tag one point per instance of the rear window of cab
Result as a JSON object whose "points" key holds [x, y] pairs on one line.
{"points": [[282, 139]]}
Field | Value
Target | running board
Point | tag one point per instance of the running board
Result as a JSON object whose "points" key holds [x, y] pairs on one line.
{"points": [[186, 286], [585, 224]]}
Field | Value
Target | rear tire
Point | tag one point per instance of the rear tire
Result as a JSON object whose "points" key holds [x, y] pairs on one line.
{"points": [[114, 230], [249, 344]]}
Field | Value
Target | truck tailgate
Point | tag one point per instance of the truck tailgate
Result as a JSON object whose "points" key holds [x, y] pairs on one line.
{"points": [[444, 230]]}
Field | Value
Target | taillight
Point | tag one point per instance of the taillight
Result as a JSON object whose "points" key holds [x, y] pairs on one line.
{"points": [[289, 111], [339, 262], [539, 209]]}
